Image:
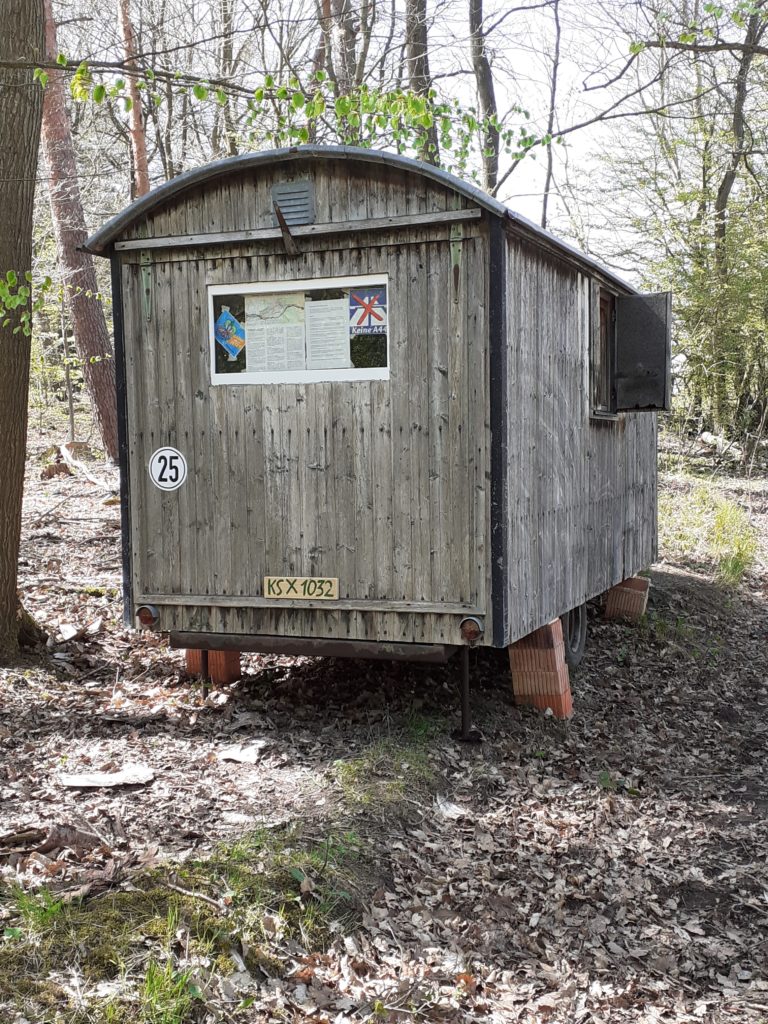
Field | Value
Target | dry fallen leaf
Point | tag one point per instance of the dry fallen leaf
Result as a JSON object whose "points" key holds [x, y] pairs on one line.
{"points": [[129, 775], [244, 753]]}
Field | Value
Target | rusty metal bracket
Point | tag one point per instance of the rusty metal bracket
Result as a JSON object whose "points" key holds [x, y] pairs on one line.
{"points": [[145, 261], [457, 237]]}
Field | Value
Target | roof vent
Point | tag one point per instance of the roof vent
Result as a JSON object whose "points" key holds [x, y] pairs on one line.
{"points": [[296, 200]]}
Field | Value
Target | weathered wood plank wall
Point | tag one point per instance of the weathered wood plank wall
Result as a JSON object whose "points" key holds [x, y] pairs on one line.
{"points": [[582, 492], [380, 483]]}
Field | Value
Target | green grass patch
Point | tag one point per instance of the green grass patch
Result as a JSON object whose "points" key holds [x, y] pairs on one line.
{"points": [[391, 766], [249, 896], [698, 524]]}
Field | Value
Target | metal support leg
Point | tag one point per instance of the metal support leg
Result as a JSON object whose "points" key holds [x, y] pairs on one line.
{"points": [[205, 679], [466, 734]]}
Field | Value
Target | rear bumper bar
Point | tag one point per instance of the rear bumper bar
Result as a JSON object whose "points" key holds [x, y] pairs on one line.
{"points": [[314, 648]]}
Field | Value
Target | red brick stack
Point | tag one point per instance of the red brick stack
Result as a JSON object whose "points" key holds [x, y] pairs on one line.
{"points": [[628, 599], [221, 667], [539, 672]]}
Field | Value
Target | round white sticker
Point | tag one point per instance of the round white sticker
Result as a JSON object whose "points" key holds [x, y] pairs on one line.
{"points": [[168, 469]]}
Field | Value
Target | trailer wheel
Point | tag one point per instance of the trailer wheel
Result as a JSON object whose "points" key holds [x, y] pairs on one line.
{"points": [[574, 634]]}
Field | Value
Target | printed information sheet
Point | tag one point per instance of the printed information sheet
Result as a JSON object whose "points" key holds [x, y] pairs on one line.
{"points": [[274, 327], [328, 334]]}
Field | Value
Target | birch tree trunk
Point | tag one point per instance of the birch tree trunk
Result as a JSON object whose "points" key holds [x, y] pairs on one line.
{"points": [[21, 100], [88, 324], [135, 124]]}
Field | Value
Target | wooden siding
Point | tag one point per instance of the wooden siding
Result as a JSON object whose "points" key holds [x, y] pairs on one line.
{"points": [[581, 492], [380, 483], [343, 191]]}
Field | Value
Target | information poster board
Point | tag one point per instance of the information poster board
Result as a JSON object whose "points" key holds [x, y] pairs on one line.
{"points": [[294, 331]]}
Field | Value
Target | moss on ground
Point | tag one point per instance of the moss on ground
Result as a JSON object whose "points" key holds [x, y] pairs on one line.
{"points": [[247, 896], [388, 769]]}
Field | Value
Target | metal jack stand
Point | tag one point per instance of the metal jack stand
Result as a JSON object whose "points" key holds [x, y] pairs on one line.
{"points": [[466, 734], [205, 679]]}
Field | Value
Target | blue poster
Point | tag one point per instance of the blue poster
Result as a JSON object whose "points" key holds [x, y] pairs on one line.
{"points": [[229, 333]]}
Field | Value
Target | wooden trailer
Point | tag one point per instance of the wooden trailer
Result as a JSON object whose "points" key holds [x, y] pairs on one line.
{"points": [[366, 409]]}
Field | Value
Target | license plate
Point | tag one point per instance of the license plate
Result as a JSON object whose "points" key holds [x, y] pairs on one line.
{"points": [[301, 588]]}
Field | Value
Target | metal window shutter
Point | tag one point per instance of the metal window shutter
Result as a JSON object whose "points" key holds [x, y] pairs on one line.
{"points": [[643, 352]]}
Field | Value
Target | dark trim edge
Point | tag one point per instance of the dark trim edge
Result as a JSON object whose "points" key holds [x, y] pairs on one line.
{"points": [[497, 352], [122, 435]]}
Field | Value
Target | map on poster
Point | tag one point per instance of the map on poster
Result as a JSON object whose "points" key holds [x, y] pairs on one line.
{"points": [[274, 327]]}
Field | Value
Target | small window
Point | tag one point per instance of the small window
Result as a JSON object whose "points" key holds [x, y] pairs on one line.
{"points": [[300, 331], [603, 352]]}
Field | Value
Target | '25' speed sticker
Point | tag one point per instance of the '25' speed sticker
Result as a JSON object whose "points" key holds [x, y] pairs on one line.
{"points": [[167, 469]]}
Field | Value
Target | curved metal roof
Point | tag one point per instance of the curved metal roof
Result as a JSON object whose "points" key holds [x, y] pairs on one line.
{"points": [[102, 239]]}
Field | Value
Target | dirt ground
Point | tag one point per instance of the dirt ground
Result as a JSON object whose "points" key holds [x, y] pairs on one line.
{"points": [[608, 869]]}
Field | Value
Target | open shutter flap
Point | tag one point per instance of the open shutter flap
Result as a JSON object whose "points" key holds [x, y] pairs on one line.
{"points": [[643, 351]]}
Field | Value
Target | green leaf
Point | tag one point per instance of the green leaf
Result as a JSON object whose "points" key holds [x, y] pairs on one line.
{"points": [[99, 92], [297, 100], [636, 47], [298, 874], [607, 781], [200, 92], [268, 81], [343, 106], [11, 278], [61, 60], [41, 77], [128, 103], [258, 94], [221, 97], [12, 933]]}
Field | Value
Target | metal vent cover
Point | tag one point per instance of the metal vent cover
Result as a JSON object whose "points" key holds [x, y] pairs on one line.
{"points": [[296, 200]]}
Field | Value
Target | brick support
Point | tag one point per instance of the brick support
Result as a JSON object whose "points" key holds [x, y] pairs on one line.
{"points": [[628, 600], [221, 667], [196, 662], [539, 672]]}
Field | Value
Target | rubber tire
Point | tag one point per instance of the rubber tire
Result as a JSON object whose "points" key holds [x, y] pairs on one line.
{"points": [[574, 634]]}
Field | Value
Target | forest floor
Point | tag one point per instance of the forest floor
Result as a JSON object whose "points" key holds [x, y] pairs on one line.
{"points": [[309, 843]]}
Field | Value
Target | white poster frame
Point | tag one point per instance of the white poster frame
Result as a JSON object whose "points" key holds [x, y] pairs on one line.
{"points": [[297, 376]]}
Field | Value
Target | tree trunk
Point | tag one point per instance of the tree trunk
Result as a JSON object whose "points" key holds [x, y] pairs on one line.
{"points": [[21, 102], [88, 323], [135, 124], [486, 95], [417, 61], [344, 40], [551, 116]]}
